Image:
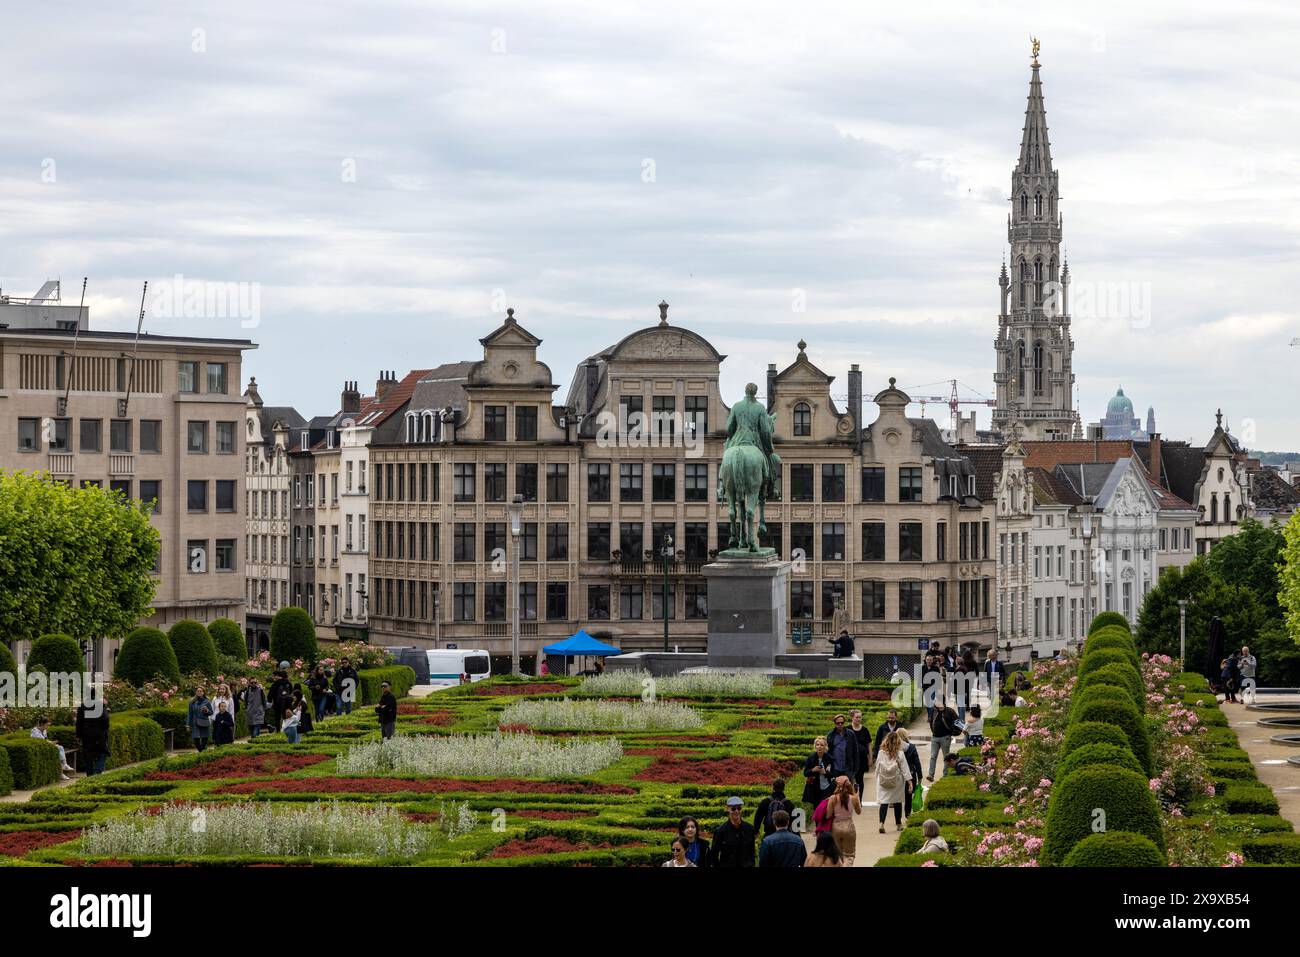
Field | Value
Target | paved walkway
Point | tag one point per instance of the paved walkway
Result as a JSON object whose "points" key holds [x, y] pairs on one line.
{"points": [[19, 796], [1269, 758], [872, 845]]}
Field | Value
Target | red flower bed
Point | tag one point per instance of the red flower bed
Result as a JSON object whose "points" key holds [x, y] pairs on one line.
{"points": [[763, 702], [409, 709], [735, 770], [688, 738], [18, 843], [339, 785], [553, 815], [660, 752], [534, 688], [757, 725], [514, 728], [421, 817], [848, 694], [439, 718], [550, 844], [240, 766]]}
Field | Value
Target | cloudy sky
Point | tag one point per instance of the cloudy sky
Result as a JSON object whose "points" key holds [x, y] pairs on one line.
{"points": [[386, 177]]}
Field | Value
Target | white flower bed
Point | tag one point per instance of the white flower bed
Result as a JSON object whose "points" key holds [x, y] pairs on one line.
{"points": [[568, 715], [642, 684], [266, 830], [481, 755]]}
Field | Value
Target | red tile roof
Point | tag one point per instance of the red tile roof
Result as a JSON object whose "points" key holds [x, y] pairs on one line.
{"points": [[1048, 455]]}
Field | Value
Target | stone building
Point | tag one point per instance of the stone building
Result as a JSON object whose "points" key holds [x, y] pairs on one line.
{"points": [[268, 479], [882, 520], [1120, 421], [157, 417]]}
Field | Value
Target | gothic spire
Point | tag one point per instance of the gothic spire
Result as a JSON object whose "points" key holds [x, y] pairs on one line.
{"points": [[1035, 150]]}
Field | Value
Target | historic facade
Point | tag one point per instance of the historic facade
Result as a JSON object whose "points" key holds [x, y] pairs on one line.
{"points": [[619, 505], [1034, 373], [157, 417]]}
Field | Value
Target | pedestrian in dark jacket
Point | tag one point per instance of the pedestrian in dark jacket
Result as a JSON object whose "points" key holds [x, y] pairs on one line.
{"points": [[92, 732], [223, 726], [299, 701], [255, 707], [862, 735], [346, 685], [764, 817], [818, 773], [279, 695], [697, 846], [319, 686], [198, 720], [733, 840], [943, 728], [782, 848], [891, 724], [843, 748], [386, 710]]}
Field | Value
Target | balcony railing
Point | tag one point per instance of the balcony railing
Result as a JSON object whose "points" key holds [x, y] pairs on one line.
{"points": [[121, 464], [640, 566], [61, 463]]}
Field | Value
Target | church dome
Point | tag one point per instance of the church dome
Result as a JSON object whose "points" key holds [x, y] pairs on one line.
{"points": [[1120, 405]]}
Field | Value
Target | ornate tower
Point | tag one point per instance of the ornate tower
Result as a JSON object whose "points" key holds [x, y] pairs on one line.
{"points": [[1034, 377]]}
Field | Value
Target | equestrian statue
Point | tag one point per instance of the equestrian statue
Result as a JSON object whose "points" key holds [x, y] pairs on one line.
{"points": [[750, 472]]}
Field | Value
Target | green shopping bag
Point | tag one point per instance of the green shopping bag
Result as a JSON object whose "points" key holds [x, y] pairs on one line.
{"points": [[918, 799]]}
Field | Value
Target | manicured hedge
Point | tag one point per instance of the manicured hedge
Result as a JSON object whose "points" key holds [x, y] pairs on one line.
{"points": [[915, 860], [1101, 693], [401, 677], [1102, 657], [58, 653], [195, 652], [1115, 849], [6, 775], [1124, 796], [1117, 674], [7, 661], [1250, 799], [1111, 640], [228, 638], [33, 763], [1082, 733], [1110, 755], [1281, 848], [146, 654], [1127, 719], [293, 635], [1108, 618]]}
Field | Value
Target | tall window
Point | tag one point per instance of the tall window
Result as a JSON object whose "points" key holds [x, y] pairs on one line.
{"points": [[557, 601], [217, 378], [557, 541], [664, 413], [832, 597], [909, 541], [801, 483], [528, 542], [629, 482], [697, 482], [801, 600], [631, 415], [631, 539], [188, 376], [462, 482], [663, 482], [802, 419], [630, 602], [873, 541], [526, 423], [801, 540], [873, 483], [494, 541], [832, 541], [909, 484], [557, 482], [909, 601], [832, 483], [196, 437], [598, 541], [494, 482], [462, 542], [494, 601], [697, 415], [526, 480], [462, 599], [598, 602], [598, 481], [494, 423]]}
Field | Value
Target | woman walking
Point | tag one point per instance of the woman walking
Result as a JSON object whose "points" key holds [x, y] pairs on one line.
{"points": [[232, 708], [843, 806], [891, 779], [679, 855], [825, 853], [864, 738], [697, 847], [819, 774], [223, 725], [199, 719]]}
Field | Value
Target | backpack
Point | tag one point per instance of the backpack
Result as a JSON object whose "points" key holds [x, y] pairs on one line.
{"points": [[889, 773], [776, 804]]}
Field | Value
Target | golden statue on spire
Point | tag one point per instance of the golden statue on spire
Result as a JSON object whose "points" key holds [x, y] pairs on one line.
{"points": [[1035, 42]]}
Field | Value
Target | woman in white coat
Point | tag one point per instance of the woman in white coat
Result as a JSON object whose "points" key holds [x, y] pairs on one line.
{"points": [[892, 776]]}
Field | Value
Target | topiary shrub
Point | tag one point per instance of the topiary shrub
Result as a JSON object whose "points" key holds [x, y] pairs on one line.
{"points": [[1101, 693], [33, 763], [228, 638], [195, 652], [1249, 799], [1109, 618], [1082, 733], [1111, 639], [8, 663], [1124, 716], [369, 680], [146, 654], [1102, 658], [6, 775], [1115, 849], [293, 635], [1109, 755], [1117, 674], [1283, 848], [1080, 801], [57, 653]]}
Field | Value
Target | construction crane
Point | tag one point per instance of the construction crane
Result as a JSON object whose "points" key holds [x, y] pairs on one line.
{"points": [[953, 400]]}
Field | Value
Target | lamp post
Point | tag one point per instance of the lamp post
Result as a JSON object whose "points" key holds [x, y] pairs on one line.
{"points": [[1182, 633], [516, 510], [1086, 511], [667, 553]]}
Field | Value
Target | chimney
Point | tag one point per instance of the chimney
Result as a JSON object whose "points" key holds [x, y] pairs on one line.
{"points": [[385, 382], [593, 385], [771, 386], [855, 405], [1153, 458], [350, 400]]}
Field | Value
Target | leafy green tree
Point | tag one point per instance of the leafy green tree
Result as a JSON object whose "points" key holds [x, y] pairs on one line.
{"points": [[293, 635], [1289, 576], [1250, 559], [146, 654], [58, 653], [195, 652], [1208, 596], [73, 560], [228, 638]]}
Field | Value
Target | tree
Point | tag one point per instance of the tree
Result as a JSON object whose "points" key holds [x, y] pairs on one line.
{"points": [[1288, 594], [59, 654], [195, 652], [1208, 596], [293, 635], [73, 560], [1250, 559], [228, 638], [146, 654]]}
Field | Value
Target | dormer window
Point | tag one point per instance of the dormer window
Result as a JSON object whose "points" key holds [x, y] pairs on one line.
{"points": [[802, 419], [970, 485], [306, 440], [952, 485]]}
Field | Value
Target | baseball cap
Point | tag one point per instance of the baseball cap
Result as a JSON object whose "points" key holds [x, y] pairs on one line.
{"points": [[735, 802]]}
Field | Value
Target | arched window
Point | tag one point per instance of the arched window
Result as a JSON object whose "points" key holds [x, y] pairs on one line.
{"points": [[412, 427], [1024, 284], [1214, 509], [1051, 270], [1038, 281], [1038, 205], [1038, 367], [1020, 366], [1227, 507], [1024, 204], [802, 419]]}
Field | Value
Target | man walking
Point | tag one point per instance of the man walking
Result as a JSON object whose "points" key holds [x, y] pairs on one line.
{"points": [[891, 724], [255, 705], [733, 840], [782, 848], [995, 674], [387, 712], [1246, 665], [345, 686], [842, 747], [942, 730]]}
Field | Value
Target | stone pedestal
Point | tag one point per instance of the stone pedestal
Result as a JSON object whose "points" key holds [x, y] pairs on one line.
{"points": [[748, 604], [841, 669]]}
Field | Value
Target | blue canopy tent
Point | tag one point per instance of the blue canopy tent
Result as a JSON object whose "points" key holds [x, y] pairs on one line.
{"points": [[579, 645]]}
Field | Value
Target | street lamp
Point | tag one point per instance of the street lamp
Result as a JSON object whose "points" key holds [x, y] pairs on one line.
{"points": [[667, 553], [1182, 633], [1086, 511], [516, 510]]}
